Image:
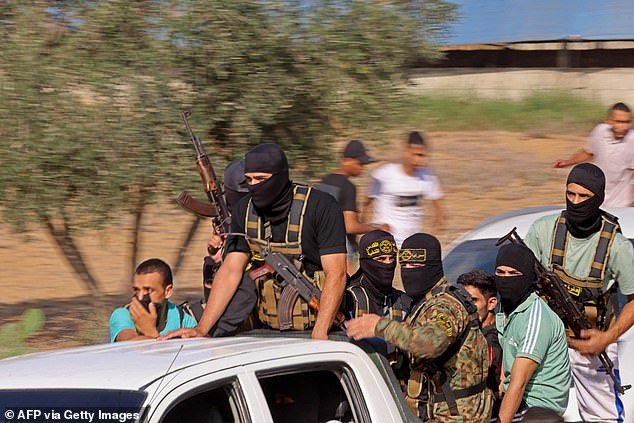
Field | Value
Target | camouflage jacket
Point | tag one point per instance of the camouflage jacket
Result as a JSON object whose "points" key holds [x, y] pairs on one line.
{"points": [[436, 323]]}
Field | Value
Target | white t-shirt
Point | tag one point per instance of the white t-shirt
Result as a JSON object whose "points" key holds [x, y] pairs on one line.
{"points": [[398, 198], [616, 160]]}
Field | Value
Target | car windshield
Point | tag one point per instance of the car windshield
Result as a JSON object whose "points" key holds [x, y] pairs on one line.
{"points": [[76, 400], [472, 255]]}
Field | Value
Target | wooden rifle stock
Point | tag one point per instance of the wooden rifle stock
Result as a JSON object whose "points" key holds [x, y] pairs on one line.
{"points": [[550, 286], [222, 218]]}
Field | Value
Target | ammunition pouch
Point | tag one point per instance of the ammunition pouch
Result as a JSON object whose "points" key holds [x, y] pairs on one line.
{"points": [[587, 291], [429, 381], [283, 308]]}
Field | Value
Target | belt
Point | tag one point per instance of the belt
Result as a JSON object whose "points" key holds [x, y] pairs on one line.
{"points": [[461, 393]]}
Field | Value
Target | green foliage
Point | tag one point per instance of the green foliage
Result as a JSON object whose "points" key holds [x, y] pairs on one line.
{"points": [[90, 91], [540, 112], [14, 335]]}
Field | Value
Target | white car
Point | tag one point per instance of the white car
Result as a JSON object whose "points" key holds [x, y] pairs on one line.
{"points": [[477, 250], [238, 379]]}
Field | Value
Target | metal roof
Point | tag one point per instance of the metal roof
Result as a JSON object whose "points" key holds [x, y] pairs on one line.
{"points": [[511, 21]]}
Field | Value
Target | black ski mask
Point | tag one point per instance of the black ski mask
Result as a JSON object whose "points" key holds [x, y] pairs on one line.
{"points": [[380, 275], [274, 196], [513, 290], [420, 249], [234, 183], [584, 219]]}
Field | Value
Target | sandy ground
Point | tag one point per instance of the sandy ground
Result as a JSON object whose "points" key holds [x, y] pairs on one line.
{"points": [[482, 174]]}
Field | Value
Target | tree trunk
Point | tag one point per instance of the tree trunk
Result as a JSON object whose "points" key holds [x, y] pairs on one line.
{"points": [[136, 232], [65, 242], [185, 245]]}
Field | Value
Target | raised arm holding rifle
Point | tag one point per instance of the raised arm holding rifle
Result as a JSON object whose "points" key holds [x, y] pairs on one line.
{"points": [[292, 219], [584, 247]]}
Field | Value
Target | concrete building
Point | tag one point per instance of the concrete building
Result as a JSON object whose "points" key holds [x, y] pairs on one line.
{"points": [[512, 48]]}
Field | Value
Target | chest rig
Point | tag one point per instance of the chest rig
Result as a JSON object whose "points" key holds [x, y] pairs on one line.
{"points": [[587, 290], [362, 303], [429, 382], [259, 236]]}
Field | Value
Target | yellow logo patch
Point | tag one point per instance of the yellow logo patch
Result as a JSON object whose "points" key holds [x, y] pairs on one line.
{"points": [[379, 248], [444, 323], [413, 255]]}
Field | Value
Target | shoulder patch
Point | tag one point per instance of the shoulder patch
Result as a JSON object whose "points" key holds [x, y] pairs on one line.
{"points": [[444, 323]]}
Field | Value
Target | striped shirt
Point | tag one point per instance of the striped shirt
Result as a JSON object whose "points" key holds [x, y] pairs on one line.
{"points": [[535, 332]]}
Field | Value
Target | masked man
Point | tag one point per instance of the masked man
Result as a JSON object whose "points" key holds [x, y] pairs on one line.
{"points": [[584, 246], [370, 288], [535, 360], [448, 354], [305, 224]]}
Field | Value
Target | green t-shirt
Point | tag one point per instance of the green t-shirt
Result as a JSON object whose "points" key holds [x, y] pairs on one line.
{"points": [[534, 331], [580, 252]]}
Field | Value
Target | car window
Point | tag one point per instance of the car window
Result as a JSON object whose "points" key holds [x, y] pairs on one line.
{"points": [[471, 255], [314, 396], [96, 398], [220, 404]]}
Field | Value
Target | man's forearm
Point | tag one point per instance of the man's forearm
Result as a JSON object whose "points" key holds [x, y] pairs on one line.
{"points": [[511, 402], [624, 322]]}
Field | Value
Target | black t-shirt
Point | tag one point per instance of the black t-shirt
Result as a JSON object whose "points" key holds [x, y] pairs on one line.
{"points": [[323, 232], [344, 191], [491, 334], [340, 187]]}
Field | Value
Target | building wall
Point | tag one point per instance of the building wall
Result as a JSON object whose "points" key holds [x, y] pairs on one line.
{"points": [[606, 86]]}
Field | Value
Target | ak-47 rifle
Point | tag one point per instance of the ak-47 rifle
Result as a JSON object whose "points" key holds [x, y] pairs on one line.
{"points": [[217, 207], [293, 284], [551, 287]]}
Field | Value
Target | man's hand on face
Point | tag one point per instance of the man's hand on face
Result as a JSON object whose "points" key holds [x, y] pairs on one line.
{"points": [[144, 320], [362, 327]]}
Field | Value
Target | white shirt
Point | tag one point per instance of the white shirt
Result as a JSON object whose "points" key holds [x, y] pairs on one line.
{"points": [[398, 198], [616, 160]]}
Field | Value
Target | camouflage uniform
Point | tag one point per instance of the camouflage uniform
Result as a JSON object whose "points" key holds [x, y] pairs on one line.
{"points": [[434, 325]]}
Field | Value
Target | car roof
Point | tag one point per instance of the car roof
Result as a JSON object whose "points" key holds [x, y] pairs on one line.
{"points": [[136, 364], [500, 225]]}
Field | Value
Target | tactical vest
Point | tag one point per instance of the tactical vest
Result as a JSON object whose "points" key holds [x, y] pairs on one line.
{"points": [[586, 291], [429, 382], [269, 292], [362, 303]]}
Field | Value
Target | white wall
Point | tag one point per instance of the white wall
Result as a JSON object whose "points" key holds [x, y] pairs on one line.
{"points": [[606, 86]]}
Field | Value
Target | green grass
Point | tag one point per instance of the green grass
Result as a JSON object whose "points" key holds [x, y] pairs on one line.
{"points": [[551, 112]]}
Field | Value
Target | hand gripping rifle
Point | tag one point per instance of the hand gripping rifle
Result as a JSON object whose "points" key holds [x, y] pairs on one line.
{"points": [[550, 286], [294, 284], [217, 207]]}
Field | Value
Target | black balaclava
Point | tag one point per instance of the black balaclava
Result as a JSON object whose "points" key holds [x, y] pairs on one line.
{"points": [[379, 275], [514, 290], [584, 219], [274, 196], [420, 249], [234, 183]]}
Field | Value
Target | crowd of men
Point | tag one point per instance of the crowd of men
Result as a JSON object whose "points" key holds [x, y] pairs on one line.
{"points": [[487, 348]]}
